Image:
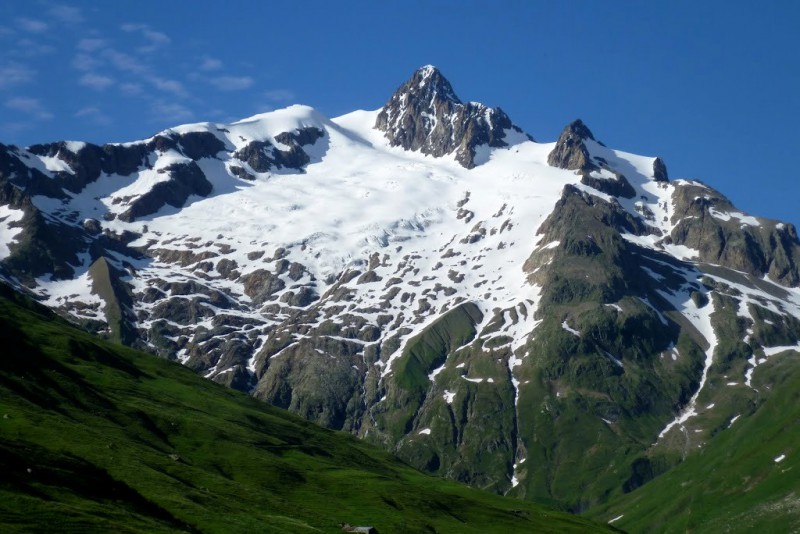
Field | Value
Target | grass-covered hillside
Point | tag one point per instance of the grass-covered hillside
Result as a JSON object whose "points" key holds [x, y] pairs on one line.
{"points": [[97, 437], [746, 478]]}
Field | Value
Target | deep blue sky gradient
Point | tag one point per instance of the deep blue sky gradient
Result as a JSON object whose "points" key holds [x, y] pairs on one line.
{"points": [[712, 86]]}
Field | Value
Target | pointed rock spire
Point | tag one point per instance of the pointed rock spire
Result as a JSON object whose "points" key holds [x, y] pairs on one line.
{"points": [[570, 151], [660, 171], [425, 114], [428, 84]]}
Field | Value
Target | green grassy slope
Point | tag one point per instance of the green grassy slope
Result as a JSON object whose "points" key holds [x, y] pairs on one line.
{"points": [[733, 483], [97, 437]]}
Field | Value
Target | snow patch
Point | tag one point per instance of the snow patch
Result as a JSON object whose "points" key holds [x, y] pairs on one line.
{"points": [[700, 318], [9, 233], [74, 146], [432, 375], [572, 331], [772, 351], [727, 216]]}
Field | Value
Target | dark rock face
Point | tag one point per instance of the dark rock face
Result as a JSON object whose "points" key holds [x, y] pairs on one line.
{"points": [[331, 384], [86, 164], [704, 224], [570, 151], [183, 311], [302, 137], [588, 227], [258, 154], [262, 156], [260, 285], [425, 114], [91, 161], [198, 145], [92, 226], [239, 172], [301, 298], [186, 179], [43, 246], [14, 170], [660, 171], [12, 196], [123, 160], [618, 187]]}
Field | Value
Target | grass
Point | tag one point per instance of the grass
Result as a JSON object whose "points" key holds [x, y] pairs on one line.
{"points": [[732, 483], [97, 437]]}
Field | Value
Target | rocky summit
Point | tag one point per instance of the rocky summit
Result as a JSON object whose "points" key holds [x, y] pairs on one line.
{"points": [[551, 320], [425, 114]]}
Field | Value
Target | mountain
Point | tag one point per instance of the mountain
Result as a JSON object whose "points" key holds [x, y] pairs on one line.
{"points": [[553, 320], [98, 438]]}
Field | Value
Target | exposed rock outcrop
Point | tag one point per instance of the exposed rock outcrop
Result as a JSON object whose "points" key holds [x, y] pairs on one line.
{"points": [[570, 152], [660, 171], [263, 156], [619, 186], [707, 222], [186, 179], [425, 114]]}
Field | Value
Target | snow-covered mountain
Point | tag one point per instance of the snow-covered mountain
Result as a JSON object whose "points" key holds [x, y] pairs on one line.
{"points": [[536, 318]]}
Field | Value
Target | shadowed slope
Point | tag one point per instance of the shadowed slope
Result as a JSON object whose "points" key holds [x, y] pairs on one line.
{"points": [[98, 437]]}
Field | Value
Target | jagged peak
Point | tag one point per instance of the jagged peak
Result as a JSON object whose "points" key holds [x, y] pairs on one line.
{"points": [[570, 151], [578, 129], [428, 85], [425, 114]]}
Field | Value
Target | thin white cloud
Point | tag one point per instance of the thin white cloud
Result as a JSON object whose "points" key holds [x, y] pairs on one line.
{"points": [[280, 95], [28, 106], [27, 48], [91, 44], [12, 129], [12, 74], [274, 99], [93, 115], [85, 62], [170, 112], [210, 64], [66, 14], [168, 86], [124, 62], [32, 25], [232, 83], [155, 39], [98, 82], [130, 89], [130, 64]]}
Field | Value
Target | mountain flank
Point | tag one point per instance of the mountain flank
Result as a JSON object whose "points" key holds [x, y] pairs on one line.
{"points": [[557, 321], [98, 437]]}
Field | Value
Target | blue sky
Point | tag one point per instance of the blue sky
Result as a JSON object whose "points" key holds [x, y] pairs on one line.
{"points": [[710, 86]]}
